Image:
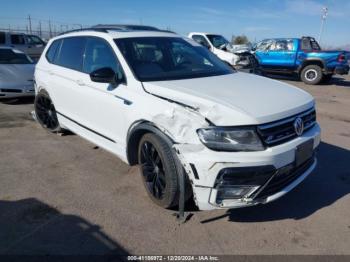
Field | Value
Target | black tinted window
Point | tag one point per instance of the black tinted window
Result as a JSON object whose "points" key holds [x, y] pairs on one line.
{"points": [[17, 39], [2, 38], [51, 53], [71, 53], [99, 54]]}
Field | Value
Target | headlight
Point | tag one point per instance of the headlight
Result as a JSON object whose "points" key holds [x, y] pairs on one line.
{"points": [[230, 139]]}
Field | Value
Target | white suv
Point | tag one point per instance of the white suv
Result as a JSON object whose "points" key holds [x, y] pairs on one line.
{"points": [[164, 102]]}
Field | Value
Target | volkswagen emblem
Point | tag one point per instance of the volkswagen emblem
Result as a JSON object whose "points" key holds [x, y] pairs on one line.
{"points": [[298, 126]]}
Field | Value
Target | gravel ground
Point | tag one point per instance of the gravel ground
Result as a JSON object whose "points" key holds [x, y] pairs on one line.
{"points": [[62, 195]]}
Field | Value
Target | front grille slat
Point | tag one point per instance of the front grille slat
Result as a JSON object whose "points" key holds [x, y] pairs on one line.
{"points": [[281, 131]]}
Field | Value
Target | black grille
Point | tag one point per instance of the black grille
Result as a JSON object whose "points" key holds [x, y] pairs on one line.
{"points": [[285, 176], [281, 131]]}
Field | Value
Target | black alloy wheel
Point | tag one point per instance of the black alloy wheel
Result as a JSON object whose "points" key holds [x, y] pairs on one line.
{"points": [[45, 112], [153, 170]]}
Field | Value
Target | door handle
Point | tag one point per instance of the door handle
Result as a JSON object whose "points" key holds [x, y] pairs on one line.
{"points": [[50, 73], [80, 82]]}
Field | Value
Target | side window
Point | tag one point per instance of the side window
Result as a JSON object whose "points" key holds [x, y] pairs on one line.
{"points": [[201, 40], [265, 45], [51, 53], [2, 38], [17, 40], [34, 40], [71, 53], [282, 45], [99, 54]]}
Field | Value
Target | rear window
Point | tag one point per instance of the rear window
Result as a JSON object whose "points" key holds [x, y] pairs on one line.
{"points": [[17, 39], [71, 53], [51, 53], [309, 44], [2, 38]]}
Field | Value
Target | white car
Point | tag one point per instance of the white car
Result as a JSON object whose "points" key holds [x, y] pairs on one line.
{"points": [[220, 46], [16, 74], [164, 102]]}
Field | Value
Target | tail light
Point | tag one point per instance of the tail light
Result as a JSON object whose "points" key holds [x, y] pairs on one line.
{"points": [[341, 58]]}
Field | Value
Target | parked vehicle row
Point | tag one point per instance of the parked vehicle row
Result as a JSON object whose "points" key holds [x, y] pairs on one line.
{"points": [[165, 103], [32, 45]]}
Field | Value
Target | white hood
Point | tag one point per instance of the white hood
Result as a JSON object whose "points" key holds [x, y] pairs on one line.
{"points": [[235, 99]]}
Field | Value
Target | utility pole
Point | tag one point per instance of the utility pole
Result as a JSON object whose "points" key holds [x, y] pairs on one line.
{"points": [[30, 24], [323, 20], [50, 29], [40, 33]]}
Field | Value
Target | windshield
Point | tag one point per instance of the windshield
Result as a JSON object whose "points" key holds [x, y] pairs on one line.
{"points": [[35, 40], [8, 56], [169, 58], [218, 40]]}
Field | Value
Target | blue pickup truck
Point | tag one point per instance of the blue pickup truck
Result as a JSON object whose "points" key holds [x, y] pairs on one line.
{"points": [[300, 56]]}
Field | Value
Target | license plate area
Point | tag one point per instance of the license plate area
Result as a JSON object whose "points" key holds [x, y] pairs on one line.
{"points": [[304, 152]]}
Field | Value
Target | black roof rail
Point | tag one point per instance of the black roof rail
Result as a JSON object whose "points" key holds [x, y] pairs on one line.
{"points": [[122, 27], [85, 29], [115, 27], [126, 27]]}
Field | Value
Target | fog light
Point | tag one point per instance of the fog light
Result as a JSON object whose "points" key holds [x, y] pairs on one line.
{"points": [[234, 192]]}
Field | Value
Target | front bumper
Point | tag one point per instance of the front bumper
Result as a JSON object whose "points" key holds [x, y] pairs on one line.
{"points": [[208, 164], [17, 91]]}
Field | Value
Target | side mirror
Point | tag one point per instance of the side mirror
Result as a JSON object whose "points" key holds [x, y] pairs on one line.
{"points": [[106, 75]]}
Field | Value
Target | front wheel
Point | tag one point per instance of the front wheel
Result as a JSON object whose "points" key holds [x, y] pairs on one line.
{"points": [[45, 112], [160, 168], [311, 74]]}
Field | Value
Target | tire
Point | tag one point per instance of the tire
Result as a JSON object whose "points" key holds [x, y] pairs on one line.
{"points": [[46, 113], [159, 169], [311, 74], [327, 78]]}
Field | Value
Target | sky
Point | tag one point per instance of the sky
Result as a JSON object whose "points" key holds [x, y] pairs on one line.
{"points": [[258, 19]]}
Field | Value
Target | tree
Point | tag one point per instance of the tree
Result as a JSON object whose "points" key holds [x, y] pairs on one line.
{"points": [[240, 40]]}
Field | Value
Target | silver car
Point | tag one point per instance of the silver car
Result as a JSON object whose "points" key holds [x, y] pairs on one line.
{"points": [[16, 73]]}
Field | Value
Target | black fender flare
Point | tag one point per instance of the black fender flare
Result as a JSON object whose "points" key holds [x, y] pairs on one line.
{"points": [[135, 132], [309, 61]]}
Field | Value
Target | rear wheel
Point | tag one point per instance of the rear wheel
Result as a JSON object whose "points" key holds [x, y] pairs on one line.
{"points": [[311, 74], [45, 112]]}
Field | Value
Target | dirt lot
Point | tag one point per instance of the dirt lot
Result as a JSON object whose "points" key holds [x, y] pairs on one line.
{"points": [[62, 195]]}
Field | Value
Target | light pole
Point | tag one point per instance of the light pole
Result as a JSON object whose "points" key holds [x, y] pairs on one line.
{"points": [[323, 19]]}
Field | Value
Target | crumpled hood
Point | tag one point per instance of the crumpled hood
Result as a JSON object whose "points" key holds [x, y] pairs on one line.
{"points": [[235, 99], [15, 74]]}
